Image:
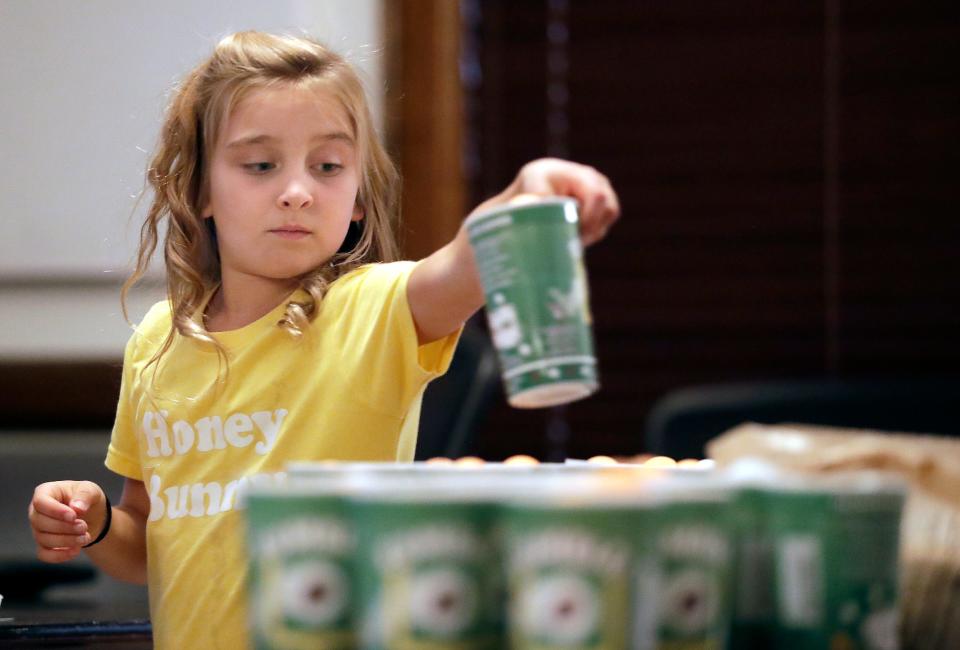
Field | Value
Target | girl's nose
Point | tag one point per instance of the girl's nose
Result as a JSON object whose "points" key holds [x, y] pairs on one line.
{"points": [[294, 196]]}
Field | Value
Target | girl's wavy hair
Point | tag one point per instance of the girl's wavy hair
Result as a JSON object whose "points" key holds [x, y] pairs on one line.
{"points": [[179, 175]]}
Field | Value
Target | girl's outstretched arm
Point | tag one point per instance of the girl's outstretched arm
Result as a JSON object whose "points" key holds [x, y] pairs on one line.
{"points": [[66, 515], [444, 288]]}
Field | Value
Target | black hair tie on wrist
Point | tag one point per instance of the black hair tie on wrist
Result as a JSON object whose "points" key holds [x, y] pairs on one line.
{"points": [[106, 524]]}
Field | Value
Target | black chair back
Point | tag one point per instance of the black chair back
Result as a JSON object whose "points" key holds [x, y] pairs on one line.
{"points": [[455, 405]]}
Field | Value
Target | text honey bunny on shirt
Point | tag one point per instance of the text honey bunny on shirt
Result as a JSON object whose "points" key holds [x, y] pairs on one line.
{"points": [[206, 435]]}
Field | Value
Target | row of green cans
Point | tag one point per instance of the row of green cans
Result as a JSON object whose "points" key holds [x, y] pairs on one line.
{"points": [[535, 558], [380, 556]]}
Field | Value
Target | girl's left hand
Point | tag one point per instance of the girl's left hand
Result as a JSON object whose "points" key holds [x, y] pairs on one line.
{"points": [[599, 205]]}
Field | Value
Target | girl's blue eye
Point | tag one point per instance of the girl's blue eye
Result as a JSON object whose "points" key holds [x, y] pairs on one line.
{"points": [[259, 167], [329, 168]]}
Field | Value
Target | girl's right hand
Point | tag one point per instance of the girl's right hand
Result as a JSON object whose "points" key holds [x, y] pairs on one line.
{"points": [[64, 517]]}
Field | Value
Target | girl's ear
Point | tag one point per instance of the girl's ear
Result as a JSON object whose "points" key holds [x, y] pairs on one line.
{"points": [[358, 212]]}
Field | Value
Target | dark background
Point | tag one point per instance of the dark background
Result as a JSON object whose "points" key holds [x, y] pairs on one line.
{"points": [[788, 173]]}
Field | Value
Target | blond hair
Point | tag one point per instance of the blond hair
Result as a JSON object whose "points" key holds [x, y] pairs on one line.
{"points": [[179, 175]]}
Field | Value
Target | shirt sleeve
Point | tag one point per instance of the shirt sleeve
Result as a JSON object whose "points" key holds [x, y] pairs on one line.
{"points": [[123, 453], [382, 339]]}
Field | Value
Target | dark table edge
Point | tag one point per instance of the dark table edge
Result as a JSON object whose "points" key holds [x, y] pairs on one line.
{"points": [[102, 630]]}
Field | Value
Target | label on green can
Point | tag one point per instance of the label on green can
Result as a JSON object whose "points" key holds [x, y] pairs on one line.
{"points": [[692, 577], [426, 576], [531, 265], [753, 607], [570, 576], [836, 566], [300, 549]]}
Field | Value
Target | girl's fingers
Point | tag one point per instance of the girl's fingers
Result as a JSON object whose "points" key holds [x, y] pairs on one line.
{"points": [[597, 193], [51, 540], [592, 206], [614, 199], [594, 235], [83, 495], [608, 205], [600, 210], [47, 503], [599, 204], [45, 524], [55, 515], [57, 555], [594, 192]]}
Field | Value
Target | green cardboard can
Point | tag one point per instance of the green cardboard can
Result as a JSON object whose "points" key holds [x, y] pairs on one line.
{"points": [[426, 568], [531, 265], [836, 546], [692, 573], [571, 574], [753, 581], [300, 546]]}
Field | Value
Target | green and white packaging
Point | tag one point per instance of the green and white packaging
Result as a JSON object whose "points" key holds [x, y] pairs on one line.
{"points": [[427, 563], [300, 546], [691, 575], [836, 545], [753, 576], [570, 570], [531, 265]]}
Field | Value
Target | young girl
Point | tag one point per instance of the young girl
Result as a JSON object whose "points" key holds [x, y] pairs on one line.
{"points": [[289, 331]]}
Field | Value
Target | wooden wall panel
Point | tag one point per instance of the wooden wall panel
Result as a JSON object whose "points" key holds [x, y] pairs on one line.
{"points": [[426, 120]]}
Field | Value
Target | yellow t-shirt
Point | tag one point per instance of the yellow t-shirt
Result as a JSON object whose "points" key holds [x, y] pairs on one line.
{"points": [[350, 389]]}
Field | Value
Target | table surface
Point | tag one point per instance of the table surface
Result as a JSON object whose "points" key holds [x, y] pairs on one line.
{"points": [[75, 623]]}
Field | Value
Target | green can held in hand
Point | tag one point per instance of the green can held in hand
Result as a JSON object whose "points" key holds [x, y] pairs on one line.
{"points": [[531, 265]]}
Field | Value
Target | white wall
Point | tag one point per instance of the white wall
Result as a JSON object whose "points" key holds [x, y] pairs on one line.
{"points": [[82, 89]]}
